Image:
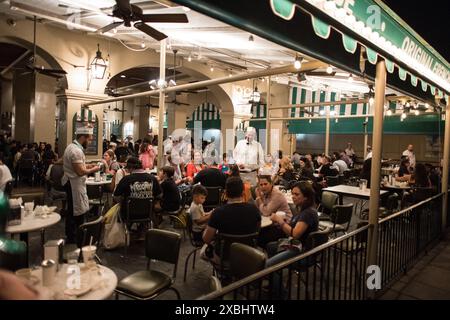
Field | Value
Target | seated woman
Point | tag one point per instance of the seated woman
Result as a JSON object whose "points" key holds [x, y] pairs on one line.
{"points": [[404, 174], [269, 201], [299, 228], [306, 169], [194, 166], [171, 198], [421, 186], [285, 173], [111, 166]]}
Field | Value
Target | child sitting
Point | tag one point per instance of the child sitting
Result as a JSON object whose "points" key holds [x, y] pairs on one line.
{"points": [[198, 215]]}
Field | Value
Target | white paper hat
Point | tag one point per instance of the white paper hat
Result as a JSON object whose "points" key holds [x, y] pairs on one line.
{"points": [[85, 130]]}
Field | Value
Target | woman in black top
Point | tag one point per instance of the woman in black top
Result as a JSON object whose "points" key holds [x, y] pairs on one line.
{"points": [[171, 198]]}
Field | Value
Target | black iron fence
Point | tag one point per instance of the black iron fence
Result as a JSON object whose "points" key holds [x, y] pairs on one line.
{"points": [[336, 270]]}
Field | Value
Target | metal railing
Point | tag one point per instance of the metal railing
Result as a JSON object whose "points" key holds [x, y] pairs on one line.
{"points": [[336, 270]]}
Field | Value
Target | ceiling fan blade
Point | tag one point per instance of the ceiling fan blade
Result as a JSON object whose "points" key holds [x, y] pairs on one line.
{"points": [[53, 71], [109, 27], [320, 74], [169, 18], [155, 34]]}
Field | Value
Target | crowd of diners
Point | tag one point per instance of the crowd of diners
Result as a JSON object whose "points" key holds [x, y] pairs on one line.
{"points": [[243, 204]]}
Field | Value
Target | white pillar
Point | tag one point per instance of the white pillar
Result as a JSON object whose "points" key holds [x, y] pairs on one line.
{"points": [[380, 88], [162, 76], [445, 165], [327, 132]]}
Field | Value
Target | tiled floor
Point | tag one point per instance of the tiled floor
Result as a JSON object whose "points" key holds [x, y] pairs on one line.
{"points": [[428, 280]]}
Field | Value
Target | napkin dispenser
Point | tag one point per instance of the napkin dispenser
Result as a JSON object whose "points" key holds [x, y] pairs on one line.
{"points": [[54, 250]]}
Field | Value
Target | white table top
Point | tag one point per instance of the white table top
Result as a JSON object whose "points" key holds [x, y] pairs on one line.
{"points": [[102, 281], [265, 221], [32, 223], [92, 182], [352, 191]]}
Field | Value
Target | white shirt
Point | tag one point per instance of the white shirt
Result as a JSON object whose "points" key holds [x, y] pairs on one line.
{"points": [[369, 155], [350, 152], [411, 156], [5, 176], [340, 165], [211, 153], [251, 155], [73, 154]]}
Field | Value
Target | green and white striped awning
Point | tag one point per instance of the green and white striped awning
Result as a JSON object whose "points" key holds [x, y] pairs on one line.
{"points": [[259, 111], [208, 114], [85, 115]]}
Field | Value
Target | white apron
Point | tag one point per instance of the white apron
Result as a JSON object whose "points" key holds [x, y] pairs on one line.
{"points": [[79, 196]]}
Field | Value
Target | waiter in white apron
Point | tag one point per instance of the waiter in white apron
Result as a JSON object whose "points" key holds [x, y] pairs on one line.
{"points": [[249, 156], [74, 181]]}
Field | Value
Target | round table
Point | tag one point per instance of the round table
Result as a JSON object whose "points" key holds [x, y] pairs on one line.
{"points": [[33, 223], [102, 279], [92, 182]]}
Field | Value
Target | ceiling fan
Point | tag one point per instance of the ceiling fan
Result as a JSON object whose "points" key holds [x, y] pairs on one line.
{"points": [[31, 65], [132, 13], [116, 109]]}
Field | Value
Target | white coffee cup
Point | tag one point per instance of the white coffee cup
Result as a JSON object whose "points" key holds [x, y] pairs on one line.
{"points": [[88, 253], [281, 214]]}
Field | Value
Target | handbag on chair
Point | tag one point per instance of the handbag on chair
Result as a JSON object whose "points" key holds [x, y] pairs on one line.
{"points": [[115, 235]]}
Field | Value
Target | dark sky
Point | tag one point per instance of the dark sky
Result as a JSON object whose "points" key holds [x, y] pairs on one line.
{"points": [[430, 19]]}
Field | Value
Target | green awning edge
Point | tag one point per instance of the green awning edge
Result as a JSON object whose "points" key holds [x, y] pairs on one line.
{"points": [[390, 67], [424, 85], [283, 8], [321, 28], [414, 80], [402, 73], [350, 44], [372, 55]]}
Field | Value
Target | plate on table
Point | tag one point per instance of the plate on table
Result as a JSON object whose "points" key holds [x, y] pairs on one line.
{"points": [[84, 288]]}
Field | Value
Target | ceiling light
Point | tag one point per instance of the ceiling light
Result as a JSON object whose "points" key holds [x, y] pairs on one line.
{"points": [[403, 116], [427, 105], [371, 101], [389, 112], [172, 83], [142, 44], [98, 65], [329, 69], [190, 58], [310, 120], [298, 62], [114, 30], [152, 84], [350, 78], [186, 9], [256, 96], [321, 112], [332, 113], [416, 112], [123, 76], [162, 83], [337, 120], [408, 105], [212, 69]]}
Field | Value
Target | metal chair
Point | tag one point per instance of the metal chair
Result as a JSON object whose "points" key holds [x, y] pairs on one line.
{"points": [[340, 218], [160, 245], [328, 201], [95, 196], [196, 244], [9, 188], [214, 198], [13, 261], [137, 211], [26, 170], [332, 181]]}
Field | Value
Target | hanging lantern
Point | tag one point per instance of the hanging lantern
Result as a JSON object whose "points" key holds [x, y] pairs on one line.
{"points": [[98, 65]]}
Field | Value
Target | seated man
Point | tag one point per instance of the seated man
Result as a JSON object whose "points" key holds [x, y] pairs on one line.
{"points": [[269, 201], [171, 198], [339, 163], [138, 184], [211, 176], [5, 174], [327, 170], [236, 217]]}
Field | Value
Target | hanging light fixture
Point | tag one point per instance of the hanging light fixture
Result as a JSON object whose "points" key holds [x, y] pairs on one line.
{"points": [[350, 78], [417, 112], [189, 58], [298, 62], [256, 96], [98, 65], [389, 112], [403, 116], [329, 69]]}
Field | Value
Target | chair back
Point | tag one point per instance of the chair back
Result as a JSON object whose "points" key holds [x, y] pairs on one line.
{"points": [[37, 197], [14, 261], [9, 188], [342, 214], [214, 197], [139, 210], [225, 241], [90, 229], [392, 202], [94, 192], [189, 227], [56, 174], [332, 181], [314, 240], [163, 245], [214, 284], [245, 260], [328, 201], [26, 164]]}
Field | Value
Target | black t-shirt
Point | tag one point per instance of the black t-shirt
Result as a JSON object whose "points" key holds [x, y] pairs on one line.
{"points": [[211, 177], [236, 218], [403, 171], [308, 216], [328, 171], [139, 185], [171, 195]]}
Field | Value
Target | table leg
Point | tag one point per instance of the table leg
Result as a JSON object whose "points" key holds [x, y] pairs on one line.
{"points": [[24, 238], [42, 242]]}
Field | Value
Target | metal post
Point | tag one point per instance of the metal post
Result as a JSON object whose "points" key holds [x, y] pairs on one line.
{"points": [[327, 133], [445, 165], [269, 98], [380, 88], [161, 111], [366, 136]]}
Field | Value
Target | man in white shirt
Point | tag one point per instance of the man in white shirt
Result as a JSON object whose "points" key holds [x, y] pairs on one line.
{"points": [[74, 181], [349, 151], [340, 164], [5, 174], [410, 154], [369, 153], [249, 155]]}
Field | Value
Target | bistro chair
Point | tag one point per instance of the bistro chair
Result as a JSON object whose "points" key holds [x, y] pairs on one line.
{"points": [[214, 198], [14, 261], [26, 170], [95, 195], [197, 244], [178, 217], [223, 244], [332, 181], [327, 203], [160, 245], [340, 218], [9, 188]]}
